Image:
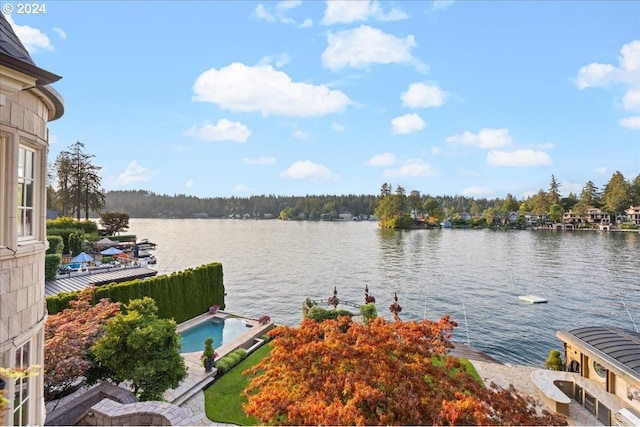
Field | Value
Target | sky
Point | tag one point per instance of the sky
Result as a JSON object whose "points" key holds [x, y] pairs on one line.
{"points": [[222, 98]]}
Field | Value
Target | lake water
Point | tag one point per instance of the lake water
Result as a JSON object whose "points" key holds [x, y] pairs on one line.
{"points": [[271, 266]]}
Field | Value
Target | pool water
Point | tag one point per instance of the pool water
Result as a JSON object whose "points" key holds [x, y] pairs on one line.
{"points": [[221, 330]]}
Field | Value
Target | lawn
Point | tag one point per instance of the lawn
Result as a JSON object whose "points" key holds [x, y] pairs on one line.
{"points": [[222, 400]]}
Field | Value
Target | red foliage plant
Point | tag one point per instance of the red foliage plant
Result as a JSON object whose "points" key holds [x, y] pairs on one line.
{"points": [[341, 373], [68, 337]]}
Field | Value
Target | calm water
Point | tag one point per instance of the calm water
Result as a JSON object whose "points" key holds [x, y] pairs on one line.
{"points": [[220, 330], [271, 266]]}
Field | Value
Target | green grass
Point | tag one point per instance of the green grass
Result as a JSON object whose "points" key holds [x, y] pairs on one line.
{"points": [[468, 366], [222, 400]]}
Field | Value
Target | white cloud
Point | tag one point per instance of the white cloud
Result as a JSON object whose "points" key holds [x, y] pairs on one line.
{"points": [[346, 12], [442, 4], [298, 134], [601, 170], [436, 151], [627, 73], [288, 4], [259, 161], [261, 13], [224, 130], [409, 123], [384, 159], [189, 183], [632, 122], [411, 167], [337, 127], [60, 32], [569, 187], [420, 95], [518, 158], [486, 138], [238, 87], [360, 47], [133, 174], [631, 100], [308, 170], [279, 14], [53, 139], [32, 38], [477, 191]]}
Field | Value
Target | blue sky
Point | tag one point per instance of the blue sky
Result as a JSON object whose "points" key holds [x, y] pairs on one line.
{"points": [[213, 98]]}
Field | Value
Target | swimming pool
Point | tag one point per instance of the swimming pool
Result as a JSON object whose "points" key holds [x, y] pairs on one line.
{"points": [[221, 330]]}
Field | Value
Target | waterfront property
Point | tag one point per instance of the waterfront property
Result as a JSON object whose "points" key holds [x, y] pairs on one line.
{"points": [[27, 104], [603, 370]]}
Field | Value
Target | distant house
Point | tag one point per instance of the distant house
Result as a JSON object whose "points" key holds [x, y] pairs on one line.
{"points": [[633, 215], [325, 217], [597, 216], [345, 216], [605, 367], [570, 217], [466, 216], [447, 223], [513, 217]]}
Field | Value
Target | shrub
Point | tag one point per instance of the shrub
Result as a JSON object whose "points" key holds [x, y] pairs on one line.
{"points": [[320, 314], [554, 361], [51, 265], [368, 312], [56, 245], [226, 363]]}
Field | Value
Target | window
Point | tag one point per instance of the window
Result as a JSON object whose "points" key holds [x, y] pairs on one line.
{"points": [[26, 199], [601, 371], [21, 396]]}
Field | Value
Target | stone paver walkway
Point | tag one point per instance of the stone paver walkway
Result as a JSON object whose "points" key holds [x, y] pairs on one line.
{"points": [[520, 377]]}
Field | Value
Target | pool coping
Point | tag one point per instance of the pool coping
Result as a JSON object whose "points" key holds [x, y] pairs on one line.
{"points": [[197, 379]]}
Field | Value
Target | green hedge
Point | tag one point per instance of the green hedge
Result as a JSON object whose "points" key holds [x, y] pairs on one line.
{"points": [[226, 363], [56, 245], [51, 265], [181, 296], [319, 314]]}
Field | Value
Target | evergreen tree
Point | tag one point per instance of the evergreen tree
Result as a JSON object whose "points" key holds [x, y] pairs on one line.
{"points": [[78, 182], [590, 195], [554, 194], [616, 193]]}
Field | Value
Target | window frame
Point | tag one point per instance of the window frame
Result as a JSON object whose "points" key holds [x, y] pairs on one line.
{"points": [[27, 179], [22, 386]]}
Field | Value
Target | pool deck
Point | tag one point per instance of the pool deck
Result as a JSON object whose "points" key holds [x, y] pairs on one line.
{"points": [[197, 379]]}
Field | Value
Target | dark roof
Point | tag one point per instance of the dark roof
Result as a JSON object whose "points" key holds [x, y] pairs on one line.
{"points": [[620, 345], [78, 283], [14, 55]]}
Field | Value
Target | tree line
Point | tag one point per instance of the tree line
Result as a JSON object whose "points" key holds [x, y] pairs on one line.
{"points": [[75, 190], [398, 210]]}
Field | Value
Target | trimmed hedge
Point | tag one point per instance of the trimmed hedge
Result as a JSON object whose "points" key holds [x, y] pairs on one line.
{"points": [[319, 314], [56, 245], [51, 265], [226, 363], [181, 296]]}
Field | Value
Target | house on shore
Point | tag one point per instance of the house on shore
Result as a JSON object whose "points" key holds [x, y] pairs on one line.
{"points": [[27, 104]]}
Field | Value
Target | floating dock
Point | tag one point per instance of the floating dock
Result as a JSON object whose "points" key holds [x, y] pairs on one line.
{"points": [[532, 299]]}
